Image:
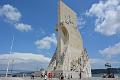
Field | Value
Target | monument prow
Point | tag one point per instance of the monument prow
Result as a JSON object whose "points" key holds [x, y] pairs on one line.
{"points": [[70, 58]]}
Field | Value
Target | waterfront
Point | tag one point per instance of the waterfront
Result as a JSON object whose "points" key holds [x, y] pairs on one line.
{"points": [[74, 53]]}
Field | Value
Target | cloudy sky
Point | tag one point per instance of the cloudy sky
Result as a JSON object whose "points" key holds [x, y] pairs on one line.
{"points": [[33, 25]]}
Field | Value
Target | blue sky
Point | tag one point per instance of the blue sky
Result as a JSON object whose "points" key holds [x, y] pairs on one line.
{"points": [[33, 25]]}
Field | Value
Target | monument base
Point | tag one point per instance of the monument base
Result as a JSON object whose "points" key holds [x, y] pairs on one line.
{"points": [[68, 74]]}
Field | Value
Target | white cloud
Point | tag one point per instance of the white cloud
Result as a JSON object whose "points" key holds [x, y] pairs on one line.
{"points": [[97, 63], [81, 22], [23, 27], [12, 15], [102, 61], [24, 58], [45, 43], [111, 50], [108, 16]]}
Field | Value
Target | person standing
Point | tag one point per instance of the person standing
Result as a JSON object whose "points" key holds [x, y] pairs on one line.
{"points": [[45, 77], [61, 76]]}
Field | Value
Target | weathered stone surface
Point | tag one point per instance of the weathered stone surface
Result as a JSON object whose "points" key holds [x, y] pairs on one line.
{"points": [[70, 58]]}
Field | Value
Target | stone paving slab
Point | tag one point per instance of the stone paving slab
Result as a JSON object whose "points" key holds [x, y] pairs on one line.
{"points": [[28, 78]]}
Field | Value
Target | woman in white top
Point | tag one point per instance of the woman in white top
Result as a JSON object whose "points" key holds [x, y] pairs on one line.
{"points": [[45, 77]]}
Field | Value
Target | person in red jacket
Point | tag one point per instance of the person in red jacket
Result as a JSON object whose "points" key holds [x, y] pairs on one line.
{"points": [[50, 75]]}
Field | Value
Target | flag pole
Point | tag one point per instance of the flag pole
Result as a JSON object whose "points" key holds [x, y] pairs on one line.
{"points": [[8, 64]]}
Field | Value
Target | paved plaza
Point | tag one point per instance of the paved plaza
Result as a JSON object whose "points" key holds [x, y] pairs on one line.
{"points": [[28, 78]]}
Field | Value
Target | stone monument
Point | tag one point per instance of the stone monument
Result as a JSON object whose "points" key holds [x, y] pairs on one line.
{"points": [[70, 58]]}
